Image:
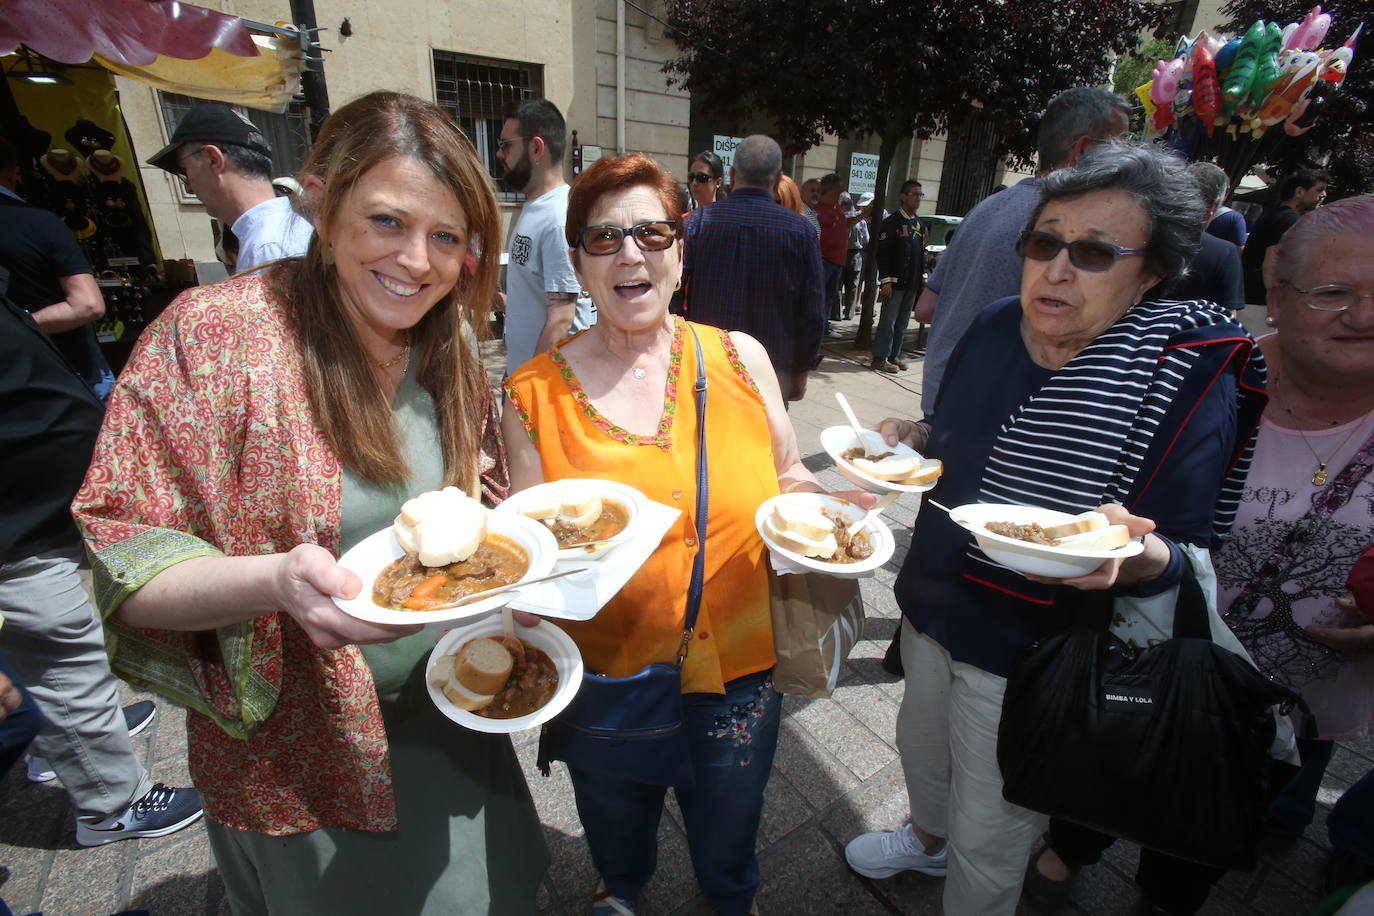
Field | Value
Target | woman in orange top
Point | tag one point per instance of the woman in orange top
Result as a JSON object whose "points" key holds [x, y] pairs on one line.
{"points": [[616, 402]]}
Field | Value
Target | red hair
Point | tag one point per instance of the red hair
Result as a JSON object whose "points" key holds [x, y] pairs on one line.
{"points": [[607, 176]]}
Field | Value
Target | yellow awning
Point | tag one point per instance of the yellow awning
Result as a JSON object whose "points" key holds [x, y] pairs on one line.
{"points": [[267, 81]]}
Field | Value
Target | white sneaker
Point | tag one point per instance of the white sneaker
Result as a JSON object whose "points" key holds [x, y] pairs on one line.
{"points": [[38, 769], [883, 854]]}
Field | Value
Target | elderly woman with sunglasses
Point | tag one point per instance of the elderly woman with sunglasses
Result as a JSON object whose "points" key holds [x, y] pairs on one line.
{"points": [[616, 402], [1099, 399]]}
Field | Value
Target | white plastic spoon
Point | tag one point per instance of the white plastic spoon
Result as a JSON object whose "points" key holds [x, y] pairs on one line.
{"points": [[882, 503], [853, 420]]}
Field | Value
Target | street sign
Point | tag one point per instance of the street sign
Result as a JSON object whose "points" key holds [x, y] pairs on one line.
{"points": [[863, 173]]}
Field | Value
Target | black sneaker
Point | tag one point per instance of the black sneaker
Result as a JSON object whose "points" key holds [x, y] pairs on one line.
{"points": [[162, 811], [137, 717]]}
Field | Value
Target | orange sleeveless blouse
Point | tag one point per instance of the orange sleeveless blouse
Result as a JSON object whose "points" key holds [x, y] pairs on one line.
{"points": [[644, 622]]}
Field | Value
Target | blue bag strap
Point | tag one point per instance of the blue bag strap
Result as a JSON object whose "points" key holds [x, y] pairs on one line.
{"points": [[699, 563]]}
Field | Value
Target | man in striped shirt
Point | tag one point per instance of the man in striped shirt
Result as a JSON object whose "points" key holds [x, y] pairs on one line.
{"points": [[755, 266]]}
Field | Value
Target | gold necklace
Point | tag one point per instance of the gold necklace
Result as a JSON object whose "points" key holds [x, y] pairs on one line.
{"points": [[405, 351], [1319, 477]]}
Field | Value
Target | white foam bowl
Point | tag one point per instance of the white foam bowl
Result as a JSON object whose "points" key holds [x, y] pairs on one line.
{"points": [[839, 439], [377, 551], [555, 643], [879, 535], [1023, 556], [626, 496]]}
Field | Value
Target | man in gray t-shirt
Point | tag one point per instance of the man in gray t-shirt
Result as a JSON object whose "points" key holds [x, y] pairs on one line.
{"points": [[542, 306], [980, 265]]}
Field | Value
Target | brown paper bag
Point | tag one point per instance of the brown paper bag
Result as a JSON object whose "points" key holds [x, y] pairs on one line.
{"points": [[817, 621]]}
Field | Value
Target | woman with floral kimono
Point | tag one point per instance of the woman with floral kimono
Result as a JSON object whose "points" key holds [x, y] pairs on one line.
{"points": [[263, 426]]}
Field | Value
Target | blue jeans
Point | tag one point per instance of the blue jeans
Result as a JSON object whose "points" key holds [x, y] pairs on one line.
{"points": [[20, 726], [833, 273], [732, 739], [892, 322]]}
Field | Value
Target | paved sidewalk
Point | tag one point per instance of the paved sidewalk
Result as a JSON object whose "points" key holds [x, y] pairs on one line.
{"points": [[837, 774]]}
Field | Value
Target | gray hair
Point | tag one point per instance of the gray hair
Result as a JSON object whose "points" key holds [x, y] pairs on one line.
{"points": [[1159, 181], [1212, 182], [1073, 113], [758, 161]]}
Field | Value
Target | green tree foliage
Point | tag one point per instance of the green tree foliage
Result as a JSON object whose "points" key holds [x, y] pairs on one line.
{"points": [[892, 68], [1134, 69], [1343, 136]]}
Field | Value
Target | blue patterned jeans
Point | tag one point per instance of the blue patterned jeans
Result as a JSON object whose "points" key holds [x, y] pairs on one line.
{"points": [[732, 738]]}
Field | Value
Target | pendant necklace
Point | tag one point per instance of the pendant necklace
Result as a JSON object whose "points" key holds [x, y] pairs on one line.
{"points": [[405, 351], [1319, 477]]}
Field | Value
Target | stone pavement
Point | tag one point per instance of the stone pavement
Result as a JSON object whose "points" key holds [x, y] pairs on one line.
{"points": [[837, 774]]}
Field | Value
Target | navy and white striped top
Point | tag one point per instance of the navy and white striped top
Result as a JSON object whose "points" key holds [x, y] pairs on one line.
{"points": [[1147, 415]]}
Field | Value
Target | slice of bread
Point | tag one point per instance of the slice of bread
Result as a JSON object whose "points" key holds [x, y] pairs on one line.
{"points": [[441, 526], [1109, 538], [1079, 524], [822, 548], [893, 467], [541, 505], [801, 517], [441, 675], [581, 505], [483, 665], [928, 471]]}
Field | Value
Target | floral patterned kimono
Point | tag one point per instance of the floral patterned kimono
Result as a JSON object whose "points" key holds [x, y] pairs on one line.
{"points": [[210, 448]]}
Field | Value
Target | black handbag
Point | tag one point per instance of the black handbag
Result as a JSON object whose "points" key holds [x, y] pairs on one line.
{"points": [[631, 727], [1167, 746]]}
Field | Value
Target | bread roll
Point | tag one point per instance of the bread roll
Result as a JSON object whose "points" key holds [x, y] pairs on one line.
{"points": [[1079, 524], [581, 505], [463, 698], [1109, 538], [893, 467], [822, 548], [483, 666], [441, 526], [928, 471], [800, 516], [541, 505]]}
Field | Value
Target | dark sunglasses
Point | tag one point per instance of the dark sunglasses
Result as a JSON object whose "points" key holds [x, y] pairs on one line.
{"points": [[1085, 254], [653, 235], [699, 177]]}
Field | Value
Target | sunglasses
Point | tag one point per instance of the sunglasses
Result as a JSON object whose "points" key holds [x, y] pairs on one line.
{"points": [[1085, 254], [653, 235], [699, 177]]}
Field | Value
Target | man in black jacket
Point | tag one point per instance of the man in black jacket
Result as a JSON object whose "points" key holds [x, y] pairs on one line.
{"points": [[901, 276]]}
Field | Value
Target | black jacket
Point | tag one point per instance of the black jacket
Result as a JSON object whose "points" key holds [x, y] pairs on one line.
{"points": [[901, 251]]}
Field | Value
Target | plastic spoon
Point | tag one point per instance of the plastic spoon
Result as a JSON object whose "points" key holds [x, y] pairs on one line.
{"points": [[482, 596], [853, 420], [882, 503]]}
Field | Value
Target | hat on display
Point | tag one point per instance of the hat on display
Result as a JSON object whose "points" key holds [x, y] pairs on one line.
{"points": [[865, 198], [105, 165], [62, 165], [217, 124]]}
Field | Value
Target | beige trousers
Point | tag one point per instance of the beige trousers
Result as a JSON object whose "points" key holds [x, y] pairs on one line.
{"points": [[947, 736]]}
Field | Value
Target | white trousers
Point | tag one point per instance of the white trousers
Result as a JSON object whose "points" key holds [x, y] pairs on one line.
{"points": [[947, 736]]}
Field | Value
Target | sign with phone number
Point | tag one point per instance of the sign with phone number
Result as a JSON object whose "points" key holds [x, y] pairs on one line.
{"points": [[724, 147], [863, 173]]}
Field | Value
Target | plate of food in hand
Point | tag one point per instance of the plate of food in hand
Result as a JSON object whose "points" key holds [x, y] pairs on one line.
{"points": [[877, 467], [811, 530], [588, 517], [443, 550], [1045, 542], [490, 682]]}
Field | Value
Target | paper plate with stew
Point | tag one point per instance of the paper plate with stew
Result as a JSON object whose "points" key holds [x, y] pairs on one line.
{"points": [[811, 529], [1045, 542], [490, 682], [588, 517], [443, 551], [875, 466]]}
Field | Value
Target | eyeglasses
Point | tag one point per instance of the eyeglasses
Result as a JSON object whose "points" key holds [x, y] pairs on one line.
{"points": [[182, 163], [652, 235], [699, 177], [502, 144], [1331, 297], [1085, 254]]}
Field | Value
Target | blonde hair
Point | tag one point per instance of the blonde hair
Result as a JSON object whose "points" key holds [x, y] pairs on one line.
{"points": [[789, 195], [349, 404]]}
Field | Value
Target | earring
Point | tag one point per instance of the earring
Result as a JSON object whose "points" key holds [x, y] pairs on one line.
{"points": [[328, 255], [585, 294], [678, 285], [1270, 320]]}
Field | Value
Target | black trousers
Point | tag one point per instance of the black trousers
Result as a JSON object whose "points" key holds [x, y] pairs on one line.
{"points": [[1177, 885]]}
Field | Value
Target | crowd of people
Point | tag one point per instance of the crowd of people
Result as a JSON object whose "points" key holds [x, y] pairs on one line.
{"points": [[267, 423]]}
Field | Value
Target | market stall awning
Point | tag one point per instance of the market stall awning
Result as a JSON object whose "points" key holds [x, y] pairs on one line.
{"points": [[175, 46]]}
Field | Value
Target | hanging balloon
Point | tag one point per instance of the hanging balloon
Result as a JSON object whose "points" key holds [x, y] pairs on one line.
{"points": [[1206, 89]]}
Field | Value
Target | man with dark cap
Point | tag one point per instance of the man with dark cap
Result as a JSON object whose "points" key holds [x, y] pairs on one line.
{"points": [[224, 160]]}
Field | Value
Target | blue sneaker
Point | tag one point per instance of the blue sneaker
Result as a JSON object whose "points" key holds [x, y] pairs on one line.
{"points": [[162, 811]]}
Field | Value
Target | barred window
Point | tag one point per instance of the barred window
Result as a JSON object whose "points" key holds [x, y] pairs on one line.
{"points": [[477, 91], [288, 134]]}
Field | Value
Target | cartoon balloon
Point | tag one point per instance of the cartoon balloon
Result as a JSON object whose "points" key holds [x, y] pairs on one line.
{"points": [[1164, 82], [1206, 89], [1266, 65], [1235, 85], [1311, 30], [1299, 76]]}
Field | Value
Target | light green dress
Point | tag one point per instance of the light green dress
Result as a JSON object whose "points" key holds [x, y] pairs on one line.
{"points": [[470, 840]]}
